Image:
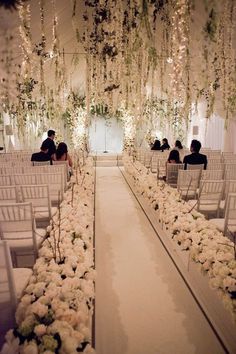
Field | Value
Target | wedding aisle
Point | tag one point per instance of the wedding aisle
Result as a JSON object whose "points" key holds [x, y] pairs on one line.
{"points": [[142, 303]]}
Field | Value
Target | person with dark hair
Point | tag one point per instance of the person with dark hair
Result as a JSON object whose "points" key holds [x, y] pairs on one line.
{"points": [[156, 145], [195, 158], [165, 145], [178, 145], [62, 154], [50, 143], [174, 157], [42, 155]]}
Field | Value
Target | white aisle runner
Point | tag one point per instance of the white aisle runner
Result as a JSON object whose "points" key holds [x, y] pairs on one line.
{"points": [[142, 304]]}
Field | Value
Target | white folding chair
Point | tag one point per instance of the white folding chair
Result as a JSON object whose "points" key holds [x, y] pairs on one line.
{"points": [[172, 170], [210, 195], [8, 195], [17, 227], [66, 168], [12, 285], [55, 181], [154, 162], [228, 224], [188, 182], [230, 187], [148, 159], [161, 167], [39, 196]]}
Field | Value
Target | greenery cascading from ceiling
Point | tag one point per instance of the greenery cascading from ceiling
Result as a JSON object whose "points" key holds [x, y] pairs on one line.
{"points": [[140, 57]]}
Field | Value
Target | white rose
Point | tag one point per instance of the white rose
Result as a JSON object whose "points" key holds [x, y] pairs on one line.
{"points": [[40, 330], [39, 309], [30, 348]]}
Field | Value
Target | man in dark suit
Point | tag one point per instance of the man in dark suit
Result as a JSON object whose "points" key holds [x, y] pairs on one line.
{"points": [[42, 155], [195, 158], [50, 143]]}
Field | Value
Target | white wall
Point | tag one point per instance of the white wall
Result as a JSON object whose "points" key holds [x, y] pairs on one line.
{"points": [[105, 135]]}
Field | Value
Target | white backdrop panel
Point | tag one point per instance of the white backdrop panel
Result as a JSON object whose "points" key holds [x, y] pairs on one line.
{"points": [[105, 135]]}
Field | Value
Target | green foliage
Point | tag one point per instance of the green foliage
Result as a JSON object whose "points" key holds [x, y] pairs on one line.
{"points": [[210, 27]]}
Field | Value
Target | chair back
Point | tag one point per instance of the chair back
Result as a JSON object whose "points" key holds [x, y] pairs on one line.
{"points": [[161, 167], [55, 181], [187, 182], [15, 218], [24, 179], [195, 167], [5, 180], [41, 163], [17, 224], [7, 286], [230, 174], [230, 187], [8, 298], [212, 174], [66, 168], [8, 195], [172, 170], [38, 195], [211, 165], [230, 214], [210, 195]]}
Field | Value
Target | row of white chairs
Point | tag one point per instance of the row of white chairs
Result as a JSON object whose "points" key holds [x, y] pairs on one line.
{"points": [[38, 195], [21, 169], [55, 181], [27, 165], [151, 157], [171, 171]]}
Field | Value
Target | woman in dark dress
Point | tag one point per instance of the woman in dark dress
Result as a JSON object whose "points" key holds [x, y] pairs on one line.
{"points": [[156, 145], [165, 145]]}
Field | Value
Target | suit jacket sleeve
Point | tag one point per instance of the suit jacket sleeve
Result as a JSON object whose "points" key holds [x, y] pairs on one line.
{"points": [[205, 163], [185, 162]]}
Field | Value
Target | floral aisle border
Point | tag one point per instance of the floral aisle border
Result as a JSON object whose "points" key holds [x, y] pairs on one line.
{"points": [[191, 231], [55, 312]]}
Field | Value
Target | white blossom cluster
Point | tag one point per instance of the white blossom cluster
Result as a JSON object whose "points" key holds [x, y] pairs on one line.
{"points": [[191, 231], [55, 312]]}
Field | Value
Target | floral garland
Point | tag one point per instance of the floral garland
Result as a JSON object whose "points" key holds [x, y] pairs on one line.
{"points": [[79, 135], [191, 231], [54, 314]]}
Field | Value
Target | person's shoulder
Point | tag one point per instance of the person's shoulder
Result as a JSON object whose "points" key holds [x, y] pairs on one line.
{"points": [[203, 156], [186, 157]]}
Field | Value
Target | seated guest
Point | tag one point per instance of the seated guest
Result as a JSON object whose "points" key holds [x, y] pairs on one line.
{"points": [[156, 145], [50, 143], [178, 145], [174, 157], [62, 154], [165, 145], [42, 155], [195, 158]]}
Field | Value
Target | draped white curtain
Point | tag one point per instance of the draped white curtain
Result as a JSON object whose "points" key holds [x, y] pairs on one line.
{"points": [[211, 132]]}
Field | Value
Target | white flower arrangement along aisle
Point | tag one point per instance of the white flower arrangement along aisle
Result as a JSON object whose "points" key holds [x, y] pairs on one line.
{"points": [[55, 312], [192, 232]]}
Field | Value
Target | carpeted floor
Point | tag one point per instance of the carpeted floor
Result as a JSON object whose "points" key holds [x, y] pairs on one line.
{"points": [[142, 304]]}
